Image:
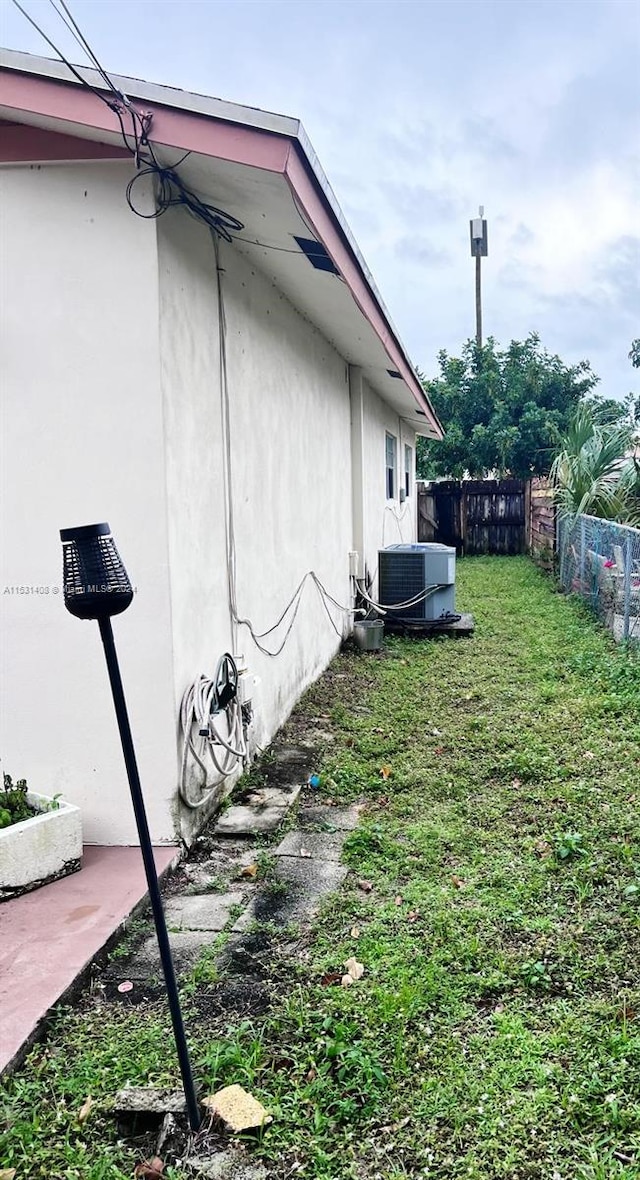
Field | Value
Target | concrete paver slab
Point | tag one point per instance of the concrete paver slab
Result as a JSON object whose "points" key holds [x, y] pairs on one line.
{"points": [[223, 864], [186, 946], [201, 911], [250, 821], [226, 1165], [341, 819], [263, 810], [320, 845], [310, 876], [305, 883], [274, 796], [149, 1100]]}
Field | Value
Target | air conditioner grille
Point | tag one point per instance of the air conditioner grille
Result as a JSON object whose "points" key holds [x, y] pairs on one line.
{"points": [[401, 578]]}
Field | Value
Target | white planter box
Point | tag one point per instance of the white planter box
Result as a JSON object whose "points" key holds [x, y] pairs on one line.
{"points": [[40, 849]]}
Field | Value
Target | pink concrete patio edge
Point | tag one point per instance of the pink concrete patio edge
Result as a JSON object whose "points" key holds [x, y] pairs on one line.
{"points": [[49, 936]]}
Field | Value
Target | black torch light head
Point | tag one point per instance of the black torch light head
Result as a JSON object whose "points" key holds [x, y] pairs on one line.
{"points": [[96, 584]]}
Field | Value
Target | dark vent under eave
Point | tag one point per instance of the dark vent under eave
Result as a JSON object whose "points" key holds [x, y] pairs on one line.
{"points": [[316, 254]]}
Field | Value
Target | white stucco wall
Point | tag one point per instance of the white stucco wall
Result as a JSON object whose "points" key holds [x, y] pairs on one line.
{"points": [[111, 411], [82, 442], [289, 422], [386, 522], [190, 376]]}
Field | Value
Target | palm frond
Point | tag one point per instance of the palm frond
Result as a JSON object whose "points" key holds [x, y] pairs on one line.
{"points": [[591, 473]]}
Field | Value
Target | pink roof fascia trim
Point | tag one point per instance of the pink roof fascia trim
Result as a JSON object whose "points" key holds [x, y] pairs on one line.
{"points": [[189, 131], [23, 144], [314, 208], [31, 94]]}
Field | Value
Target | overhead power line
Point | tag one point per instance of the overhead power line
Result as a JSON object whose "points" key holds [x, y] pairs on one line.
{"points": [[170, 188]]}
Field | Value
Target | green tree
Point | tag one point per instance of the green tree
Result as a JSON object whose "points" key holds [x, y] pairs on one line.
{"points": [[503, 411], [634, 355], [610, 410]]}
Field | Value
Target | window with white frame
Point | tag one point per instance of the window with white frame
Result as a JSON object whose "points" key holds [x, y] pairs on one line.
{"points": [[391, 448], [408, 470]]}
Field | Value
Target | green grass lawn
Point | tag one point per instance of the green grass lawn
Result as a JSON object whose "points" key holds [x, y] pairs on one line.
{"points": [[496, 1030]]}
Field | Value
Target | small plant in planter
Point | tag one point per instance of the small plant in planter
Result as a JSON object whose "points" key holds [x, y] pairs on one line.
{"points": [[13, 802], [40, 838]]}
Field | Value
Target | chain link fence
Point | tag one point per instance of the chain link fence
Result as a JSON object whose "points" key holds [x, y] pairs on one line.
{"points": [[600, 561]]}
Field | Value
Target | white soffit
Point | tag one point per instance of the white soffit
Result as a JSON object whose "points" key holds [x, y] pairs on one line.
{"points": [[263, 201]]}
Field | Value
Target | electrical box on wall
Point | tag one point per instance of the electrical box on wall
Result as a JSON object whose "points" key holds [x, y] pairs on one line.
{"points": [[406, 572], [247, 685]]}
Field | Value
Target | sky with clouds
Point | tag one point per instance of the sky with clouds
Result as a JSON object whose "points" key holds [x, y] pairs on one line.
{"points": [[420, 110]]}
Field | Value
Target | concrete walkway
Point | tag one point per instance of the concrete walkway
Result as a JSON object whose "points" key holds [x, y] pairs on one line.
{"points": [[243, 885], [304, 867], [49, 936]]}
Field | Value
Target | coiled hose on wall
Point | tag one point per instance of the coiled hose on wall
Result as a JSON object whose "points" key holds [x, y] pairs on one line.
{"points": [[203, 701]]}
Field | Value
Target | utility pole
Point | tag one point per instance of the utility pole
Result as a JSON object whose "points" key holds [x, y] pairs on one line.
{"points": [[479, 250], [478, 301]]}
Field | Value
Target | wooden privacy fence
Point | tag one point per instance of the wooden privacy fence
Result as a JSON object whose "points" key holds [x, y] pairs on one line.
{"points": [[541, 516], [493, 516]]}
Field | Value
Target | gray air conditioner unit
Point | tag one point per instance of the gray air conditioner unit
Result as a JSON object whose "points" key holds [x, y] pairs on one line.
{"points": [[405, 571]]}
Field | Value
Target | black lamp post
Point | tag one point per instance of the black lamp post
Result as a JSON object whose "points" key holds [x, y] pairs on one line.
{"points": [[97, 586]]}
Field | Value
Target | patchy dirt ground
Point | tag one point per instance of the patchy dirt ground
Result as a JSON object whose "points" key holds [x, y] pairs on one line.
{"points": [[493, 901]]}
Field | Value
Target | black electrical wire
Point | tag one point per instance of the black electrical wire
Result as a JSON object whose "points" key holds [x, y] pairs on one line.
{"points": [[63, 59], [81, 40], [170, 189], [115, 103], [266, 246], [140, 136], [172, 192], [215, 218]]}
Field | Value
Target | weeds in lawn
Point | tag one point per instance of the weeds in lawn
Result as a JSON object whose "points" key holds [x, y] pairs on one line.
{"points": [[495, 1033], [267, 864], [132, 931], [205, 970], [275, 889], [569, 844]]}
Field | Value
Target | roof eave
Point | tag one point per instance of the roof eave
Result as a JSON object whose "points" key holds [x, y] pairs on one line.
{"points": [[300, 165]]}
